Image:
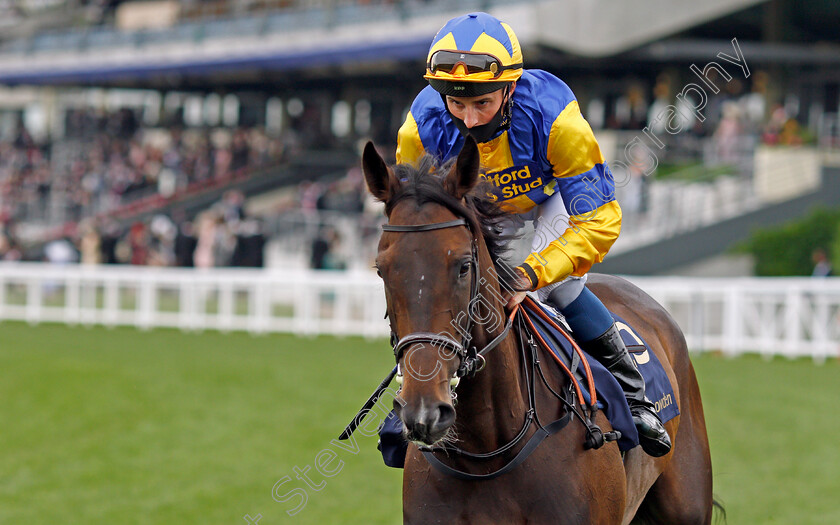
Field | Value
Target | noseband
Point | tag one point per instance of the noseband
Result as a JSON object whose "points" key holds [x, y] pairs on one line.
{"points": [[472, 360]]}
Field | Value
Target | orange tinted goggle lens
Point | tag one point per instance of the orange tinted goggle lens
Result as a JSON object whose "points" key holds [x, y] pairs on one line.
{"points": [[447, 61]]}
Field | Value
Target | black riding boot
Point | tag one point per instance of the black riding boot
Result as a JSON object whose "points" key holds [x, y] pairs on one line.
{"points": [[610, 351]]}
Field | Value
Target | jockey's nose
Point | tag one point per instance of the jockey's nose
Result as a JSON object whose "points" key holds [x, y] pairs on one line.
{"points": [[470, 118]]}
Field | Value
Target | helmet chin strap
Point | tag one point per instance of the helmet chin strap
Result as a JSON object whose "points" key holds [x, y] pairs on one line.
{"points": [[485, 132]]}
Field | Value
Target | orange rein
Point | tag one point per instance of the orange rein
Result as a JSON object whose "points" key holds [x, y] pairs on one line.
{"points": [[588, 371]]}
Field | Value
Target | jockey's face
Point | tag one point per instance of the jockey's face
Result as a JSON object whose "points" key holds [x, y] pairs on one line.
{"points": [[476, 111]]}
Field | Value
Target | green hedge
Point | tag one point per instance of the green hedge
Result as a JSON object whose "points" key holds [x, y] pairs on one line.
{"points": [[787, 250]]}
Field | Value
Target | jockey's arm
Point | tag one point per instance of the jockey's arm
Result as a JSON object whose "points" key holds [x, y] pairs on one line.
{"points": [[588, 191]]}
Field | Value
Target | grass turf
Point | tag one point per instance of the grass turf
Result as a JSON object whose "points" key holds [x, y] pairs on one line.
{"points": [[120, 426]]}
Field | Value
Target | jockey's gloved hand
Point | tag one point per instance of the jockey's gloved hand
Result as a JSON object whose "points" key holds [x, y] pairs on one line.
{"points": [[517, 285]]}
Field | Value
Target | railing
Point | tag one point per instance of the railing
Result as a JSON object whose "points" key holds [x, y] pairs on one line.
{"points": [[794, 317], [677, 207], [713, 187], [297, 301]]}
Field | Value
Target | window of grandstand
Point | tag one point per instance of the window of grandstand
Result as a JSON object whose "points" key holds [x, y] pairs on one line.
{"points": [[274, 116], [230, 110], [362, 117], [341, 118], [212, 109], [193, 111]]}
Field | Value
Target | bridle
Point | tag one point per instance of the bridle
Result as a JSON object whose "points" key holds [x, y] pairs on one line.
{"points": [[472, 360]]}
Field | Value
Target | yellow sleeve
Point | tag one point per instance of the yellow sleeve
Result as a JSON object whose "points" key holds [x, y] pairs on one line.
{"points": [[409, 146], [577, 162], [585, 243]]}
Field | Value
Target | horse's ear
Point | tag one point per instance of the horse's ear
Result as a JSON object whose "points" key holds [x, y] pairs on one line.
{"points": [[464, 175], [376, 173]]}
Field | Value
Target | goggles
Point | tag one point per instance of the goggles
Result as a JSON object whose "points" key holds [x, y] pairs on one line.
{"points": [[446, 61]]}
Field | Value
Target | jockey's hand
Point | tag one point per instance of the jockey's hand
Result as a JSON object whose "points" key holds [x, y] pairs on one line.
{"points": [[521, 286], [515, 299]]}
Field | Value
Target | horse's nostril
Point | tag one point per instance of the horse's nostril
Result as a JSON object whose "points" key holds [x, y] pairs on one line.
{"points": [[446, 416]]}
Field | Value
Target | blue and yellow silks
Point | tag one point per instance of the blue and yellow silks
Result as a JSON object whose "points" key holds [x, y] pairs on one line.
{"points": [[548, 149]]}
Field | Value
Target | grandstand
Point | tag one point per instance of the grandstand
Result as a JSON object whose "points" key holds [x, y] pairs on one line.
{"points": [[117, 114], [188, 312]]}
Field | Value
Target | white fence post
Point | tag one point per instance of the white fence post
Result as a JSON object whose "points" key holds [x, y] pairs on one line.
{"points": [[35, 298], [793, 321], [732, 322], [111, 300]]}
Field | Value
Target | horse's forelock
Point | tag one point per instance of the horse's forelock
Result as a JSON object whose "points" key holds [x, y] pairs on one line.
{"points": [[423, 183]]}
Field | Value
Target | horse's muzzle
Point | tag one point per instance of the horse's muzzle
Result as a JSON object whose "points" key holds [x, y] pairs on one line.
{"points": [[427, 423]]}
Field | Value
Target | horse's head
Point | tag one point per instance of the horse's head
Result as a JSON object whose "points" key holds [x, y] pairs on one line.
{"points": [[428, 261]]}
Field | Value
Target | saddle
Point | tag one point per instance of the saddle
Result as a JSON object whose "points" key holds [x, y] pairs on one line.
{"points": [[610, 398]]}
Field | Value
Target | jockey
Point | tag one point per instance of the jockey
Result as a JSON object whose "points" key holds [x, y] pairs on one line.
{"points": [[545, 164]]}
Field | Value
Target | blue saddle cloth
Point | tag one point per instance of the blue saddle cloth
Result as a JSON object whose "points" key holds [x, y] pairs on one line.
{"points": [[610, 396]]}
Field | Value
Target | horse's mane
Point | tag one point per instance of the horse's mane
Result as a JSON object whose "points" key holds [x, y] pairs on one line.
{"points": [[423, 183]]}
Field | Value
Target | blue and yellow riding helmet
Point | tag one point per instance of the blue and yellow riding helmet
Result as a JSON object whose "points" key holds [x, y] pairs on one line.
{"points": [[472, 55]]}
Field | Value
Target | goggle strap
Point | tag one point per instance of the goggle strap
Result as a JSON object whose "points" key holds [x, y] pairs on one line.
{"points": [[450, 67]]}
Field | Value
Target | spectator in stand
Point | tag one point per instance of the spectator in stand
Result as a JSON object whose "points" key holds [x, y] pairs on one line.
{"points": [[162, 241], [108, 159], [205, 250], [222, 158], [727, 134], [250, 243], [231, 206], [325, 251], [12, 252], [185, 245], [791, 134], [822, 266], [9, 251], [134, 247], [240, 151], [90, 244]]}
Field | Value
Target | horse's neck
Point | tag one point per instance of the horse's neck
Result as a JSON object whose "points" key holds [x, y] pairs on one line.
{"points": [[492, 405]]}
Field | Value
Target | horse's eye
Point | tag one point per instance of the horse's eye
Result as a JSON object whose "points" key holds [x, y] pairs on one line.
{"points": [[465, 268], [378, 272]]}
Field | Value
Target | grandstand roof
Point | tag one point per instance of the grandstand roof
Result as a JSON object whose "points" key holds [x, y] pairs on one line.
{"points": [[271, 46]]}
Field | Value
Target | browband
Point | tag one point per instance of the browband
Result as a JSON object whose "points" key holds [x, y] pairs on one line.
{"points": [[424, 227]]}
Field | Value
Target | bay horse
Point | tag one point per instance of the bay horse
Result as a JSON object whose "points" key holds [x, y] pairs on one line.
{"points": [[439, 253]]}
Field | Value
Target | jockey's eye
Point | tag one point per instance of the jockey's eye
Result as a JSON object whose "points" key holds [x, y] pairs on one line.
{"points": [[466, 266]]}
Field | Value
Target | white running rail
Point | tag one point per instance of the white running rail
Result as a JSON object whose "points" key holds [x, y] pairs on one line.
{"points": [[794, 317], [294, 301]]}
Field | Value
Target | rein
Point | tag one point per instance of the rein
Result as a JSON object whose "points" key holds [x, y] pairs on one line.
{"points": [[595, 437], [473, 361]]}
